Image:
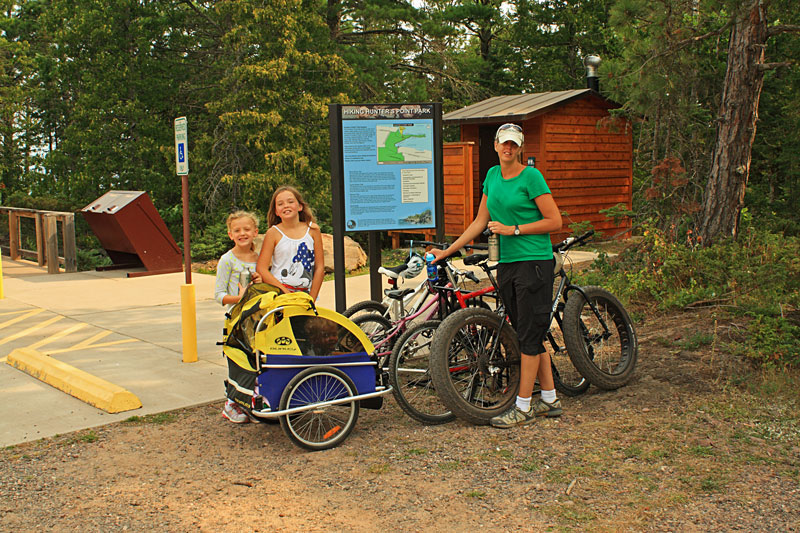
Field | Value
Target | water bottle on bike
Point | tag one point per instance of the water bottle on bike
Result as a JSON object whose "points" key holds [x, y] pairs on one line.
{"points": [[433, 270]]}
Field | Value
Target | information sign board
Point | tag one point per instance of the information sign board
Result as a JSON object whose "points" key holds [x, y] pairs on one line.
{"points": [[388, 166]]}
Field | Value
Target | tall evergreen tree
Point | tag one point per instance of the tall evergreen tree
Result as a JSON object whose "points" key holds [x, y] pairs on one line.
{"points": [[273, 102], [673, 74]]}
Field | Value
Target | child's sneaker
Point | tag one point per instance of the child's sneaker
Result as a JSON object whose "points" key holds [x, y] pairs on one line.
{"points": [[550, 410], [234, 413]]}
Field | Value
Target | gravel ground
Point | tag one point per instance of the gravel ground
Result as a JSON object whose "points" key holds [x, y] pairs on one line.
{"points": [[678, 449]]}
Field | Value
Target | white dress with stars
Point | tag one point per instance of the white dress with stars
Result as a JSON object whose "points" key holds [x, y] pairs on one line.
{"points": [[293, 260]]}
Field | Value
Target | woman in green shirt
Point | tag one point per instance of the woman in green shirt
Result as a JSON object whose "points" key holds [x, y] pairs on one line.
{"points": [[517, 205]]}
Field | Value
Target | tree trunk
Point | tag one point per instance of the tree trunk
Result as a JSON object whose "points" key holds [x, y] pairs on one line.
{"points": [[730, 165]]}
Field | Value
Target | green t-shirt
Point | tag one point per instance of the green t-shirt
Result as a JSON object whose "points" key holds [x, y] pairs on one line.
{"points": [[512, 202]]}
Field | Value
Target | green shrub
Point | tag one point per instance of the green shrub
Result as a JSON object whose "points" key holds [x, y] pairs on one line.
{"points": [[91, 259], [770, 342], [211, 243], [757, 276]]}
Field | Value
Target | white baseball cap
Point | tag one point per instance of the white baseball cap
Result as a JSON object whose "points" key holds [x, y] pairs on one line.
{"points": [[509, 132]]}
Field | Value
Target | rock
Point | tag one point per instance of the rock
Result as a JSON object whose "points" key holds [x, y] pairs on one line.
{"points": [[354, 255]]}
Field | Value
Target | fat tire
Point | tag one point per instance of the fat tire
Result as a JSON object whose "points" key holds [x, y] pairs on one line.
{"points": [[320, 428], [472, 387], [567, 379], [409, 374], [608, 363]]}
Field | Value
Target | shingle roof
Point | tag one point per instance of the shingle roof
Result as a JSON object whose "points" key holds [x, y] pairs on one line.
{"points": [[514, 107]]}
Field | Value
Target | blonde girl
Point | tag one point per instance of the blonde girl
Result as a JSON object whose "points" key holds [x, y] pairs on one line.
{"points": [[291, 257], [237, 266], [235, 269]]}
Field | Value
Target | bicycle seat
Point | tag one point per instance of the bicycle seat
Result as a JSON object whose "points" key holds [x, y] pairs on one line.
{"points": [[397, 294], [474, 259]]}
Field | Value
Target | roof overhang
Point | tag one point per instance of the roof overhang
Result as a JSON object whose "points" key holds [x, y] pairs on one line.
{"points": [[518, 107]]}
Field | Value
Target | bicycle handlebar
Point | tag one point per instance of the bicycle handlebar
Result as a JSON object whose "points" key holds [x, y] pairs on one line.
{"points": [[569, 242]]}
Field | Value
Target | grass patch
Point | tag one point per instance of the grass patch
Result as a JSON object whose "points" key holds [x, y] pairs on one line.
{"points": [[157, 418], [712, 484], [576, 514], [88, 437], [416, 451], [701, 451], [632, 451], [697, 340], [380, 468], [450, 466], [532, 464]]}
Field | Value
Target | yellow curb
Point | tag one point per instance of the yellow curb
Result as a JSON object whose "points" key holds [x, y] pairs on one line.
{"points": [[82, 385]]}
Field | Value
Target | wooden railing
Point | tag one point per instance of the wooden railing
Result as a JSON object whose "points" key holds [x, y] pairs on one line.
{"points": [[46, 252]]}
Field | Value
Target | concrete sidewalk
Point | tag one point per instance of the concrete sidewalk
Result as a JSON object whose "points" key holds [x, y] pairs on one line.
{"points": [[126, 331]]}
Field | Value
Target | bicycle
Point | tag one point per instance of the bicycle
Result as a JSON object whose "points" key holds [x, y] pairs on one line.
{"points": [[400, 302], [406, 343], [475, 354], [390, 307]]}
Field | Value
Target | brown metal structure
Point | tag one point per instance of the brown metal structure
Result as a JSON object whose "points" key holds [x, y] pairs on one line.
{"points": [[133, 233]]}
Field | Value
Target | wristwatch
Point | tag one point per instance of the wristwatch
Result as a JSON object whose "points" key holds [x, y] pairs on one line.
{"points": [[516, 229]]}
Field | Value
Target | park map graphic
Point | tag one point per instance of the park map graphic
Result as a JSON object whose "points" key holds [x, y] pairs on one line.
{"points": [[404, 144]]}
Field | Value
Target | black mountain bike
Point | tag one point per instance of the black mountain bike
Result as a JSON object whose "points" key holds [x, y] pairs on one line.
{"points": [[475, 355]]}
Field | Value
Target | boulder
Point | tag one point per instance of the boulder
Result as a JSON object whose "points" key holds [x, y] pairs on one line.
{"points": [[354, 255]]}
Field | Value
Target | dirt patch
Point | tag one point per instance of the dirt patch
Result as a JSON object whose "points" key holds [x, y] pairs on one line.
{"points": [[678, 449]]}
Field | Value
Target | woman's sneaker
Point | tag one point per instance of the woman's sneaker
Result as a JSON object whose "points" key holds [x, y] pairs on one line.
{"points": [[513, 416], [234, 413], [550, 410]]}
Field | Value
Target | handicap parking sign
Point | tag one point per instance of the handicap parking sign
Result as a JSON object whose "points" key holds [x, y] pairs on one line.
{"points": [[181, 149]]}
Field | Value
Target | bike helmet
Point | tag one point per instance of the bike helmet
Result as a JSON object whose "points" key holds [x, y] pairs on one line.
{"points": [[414, 266]]}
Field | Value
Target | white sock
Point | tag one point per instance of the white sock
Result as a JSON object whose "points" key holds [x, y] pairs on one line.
{"points": [[549, 396], [524, 404]]}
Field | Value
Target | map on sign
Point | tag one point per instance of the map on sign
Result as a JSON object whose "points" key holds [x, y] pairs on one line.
{"points": [[404, 144]]}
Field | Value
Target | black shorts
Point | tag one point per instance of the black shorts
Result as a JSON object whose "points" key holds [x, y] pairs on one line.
{"points": [[526, 288]]}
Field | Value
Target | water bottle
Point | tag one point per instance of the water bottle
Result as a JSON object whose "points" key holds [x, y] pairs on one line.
{"points": [[494, 247], [244, 278], [433, 270]]}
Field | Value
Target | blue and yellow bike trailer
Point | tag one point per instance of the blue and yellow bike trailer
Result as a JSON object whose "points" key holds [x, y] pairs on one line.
{"points": [[309, 367]]}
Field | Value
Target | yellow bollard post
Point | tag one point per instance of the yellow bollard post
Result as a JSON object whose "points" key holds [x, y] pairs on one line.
{"points": [[2, 295], [189, 323]]}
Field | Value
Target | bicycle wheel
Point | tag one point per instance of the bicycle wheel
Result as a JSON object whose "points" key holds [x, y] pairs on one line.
{"points": [[324, 426], [600, 338], [379, 331], [410, 376], [475, 367], [365, 307], [567, 379]]}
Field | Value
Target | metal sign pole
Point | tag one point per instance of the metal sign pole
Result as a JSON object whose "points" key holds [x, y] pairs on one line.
{"points": [[188, 307]]}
